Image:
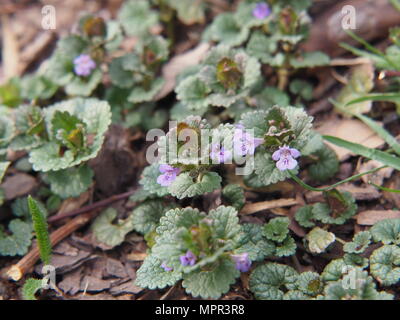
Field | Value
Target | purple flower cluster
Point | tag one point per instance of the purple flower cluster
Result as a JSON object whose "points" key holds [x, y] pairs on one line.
{"points": [[242, 261], [189, 259], [169, 174], [261, 10], [83, 65], [285, 158], [219, 154], [244, 143]]}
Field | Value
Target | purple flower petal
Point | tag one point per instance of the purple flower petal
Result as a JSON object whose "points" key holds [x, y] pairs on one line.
{"points": [[165, 267], [287, 163], [294, 152], [261, 10], [242, 261], [276, 155], [83, 65], [189, 259]]}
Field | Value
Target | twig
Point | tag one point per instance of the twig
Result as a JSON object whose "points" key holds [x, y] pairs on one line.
{"points": [[91, 207], [17, 271]]}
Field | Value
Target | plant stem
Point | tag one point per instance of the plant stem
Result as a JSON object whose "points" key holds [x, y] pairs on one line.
{"points": [[384, 188], [308, 187]]}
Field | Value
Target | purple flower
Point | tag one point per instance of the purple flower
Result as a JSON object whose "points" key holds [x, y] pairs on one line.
{"points": [[244, 143], [285, 158], [242, 261], [261, 10], [168, 174], [220, 154], [83, 65], [189, 259], [165, 267]]}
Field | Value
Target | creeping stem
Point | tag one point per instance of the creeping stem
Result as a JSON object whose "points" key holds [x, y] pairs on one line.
{"points": [[305, 185]]}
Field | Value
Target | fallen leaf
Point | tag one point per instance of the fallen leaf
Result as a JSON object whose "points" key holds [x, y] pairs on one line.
{"points": [[351, 130], [264, 205], [359, 193], [18, 185], [370, 217], [177, 64], [378, 176], [136, 256]]}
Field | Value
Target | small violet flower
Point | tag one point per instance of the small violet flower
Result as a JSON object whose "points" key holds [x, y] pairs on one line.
{"points": [[261, 10], [83, 65], [219, 154], [189, 259], [165, 267], [242, 261], [244, 143], [285, 158], [169, 174]]}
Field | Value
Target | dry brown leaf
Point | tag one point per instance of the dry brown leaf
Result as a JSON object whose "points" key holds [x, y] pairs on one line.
{"points": [[359, 193], [136, 256], [264, 205], [350, 130], [18, 185], [10, 51], [378, 176], [177, 64], [370, 217]]}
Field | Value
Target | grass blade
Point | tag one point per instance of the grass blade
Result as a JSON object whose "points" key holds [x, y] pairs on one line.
{"points": [[383, 157]]}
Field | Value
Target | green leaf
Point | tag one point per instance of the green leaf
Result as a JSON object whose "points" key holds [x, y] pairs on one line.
{"points": [[334, 270], [140, 94], [277, 229], [109, 233], [310, 60], [310, 283], [385, 264], [137, 17], [359, 244], [184, 186], [146, 216], [352, 259], [225, 222], [253, 242], [41, 229], [19, 241], [37, 87], [10, 93], [386, 231], [266, 170], [369, 153], [301, 88], [327, 165], [152, 276], [211, 283], [341, 207], [318, 240], [3, 168], [304, 216], [80, 86], [286, 248], [70, 182], [189, 12], [96, 116], [193, 93], [364, 288], [149, 180], [233, 194], [268, 281], [30, 287]]}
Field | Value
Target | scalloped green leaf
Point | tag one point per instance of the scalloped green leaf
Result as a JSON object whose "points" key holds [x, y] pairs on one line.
{"points": [[310, 60], [184, 186], [152, 276], [109, 233], [233, 194], [304, 216], [18, 242], [385, 264], [386, 231], [137, 17], [277, 229], [286, 248], [211, 283], [334, 270], [31, 287], [70, 182], [327, 164], [310, 283], [268, 281], [359, 244], [96, 116], [146, 216], [149, 180], [253, 242]]}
